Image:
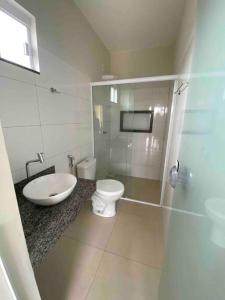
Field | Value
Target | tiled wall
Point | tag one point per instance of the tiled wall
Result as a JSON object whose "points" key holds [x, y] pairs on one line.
{"points": [[35, 120], [140, 154]]}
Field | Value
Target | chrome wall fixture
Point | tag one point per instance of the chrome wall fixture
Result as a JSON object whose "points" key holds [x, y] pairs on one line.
{"points": [[182, 86], [54, 91], [40, 159], [71, 159]]}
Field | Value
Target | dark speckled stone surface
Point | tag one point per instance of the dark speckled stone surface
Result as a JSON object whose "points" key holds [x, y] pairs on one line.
{"points": [[43, 225]]}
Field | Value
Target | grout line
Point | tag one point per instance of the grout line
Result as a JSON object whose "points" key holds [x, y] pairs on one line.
{"points": [[116, 254], [39, 115], [83, 125], [100, 260], [105, 251], [125, 257], [57, 155], [33, 83], [94, 246], [21, 126], [83, 242], [65, 93], [95, 275], [110, 235], [18, 80], [120, 256], [133, 260]]}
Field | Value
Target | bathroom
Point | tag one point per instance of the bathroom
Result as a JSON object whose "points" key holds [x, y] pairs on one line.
{"points": [[132, 155], [111, 150]]}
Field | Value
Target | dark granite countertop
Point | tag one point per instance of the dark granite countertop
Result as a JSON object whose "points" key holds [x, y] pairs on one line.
{"points": [[43, 225]]}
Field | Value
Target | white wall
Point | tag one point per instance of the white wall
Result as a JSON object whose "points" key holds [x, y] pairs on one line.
{"points": [[183, 62], [15, 263], [140, 154], [186, 36], [33, 119], [145, 62]]}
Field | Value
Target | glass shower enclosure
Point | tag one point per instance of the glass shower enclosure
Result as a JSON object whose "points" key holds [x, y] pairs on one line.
{"points": [[130, 124], [112, 148]]}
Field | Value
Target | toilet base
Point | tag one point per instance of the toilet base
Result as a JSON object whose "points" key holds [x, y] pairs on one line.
{"points": [[108, 212], [104, 198]]}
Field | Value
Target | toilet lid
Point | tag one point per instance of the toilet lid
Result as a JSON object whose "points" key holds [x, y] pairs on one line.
{"points": [[109, 187]]}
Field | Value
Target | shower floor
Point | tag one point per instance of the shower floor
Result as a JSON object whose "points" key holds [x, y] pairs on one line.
{"points": [[141, 189]]}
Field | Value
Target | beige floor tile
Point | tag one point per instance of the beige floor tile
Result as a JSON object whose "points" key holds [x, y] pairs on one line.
{"points": [[152, 213], [90, 229], [68, 271], [148, 213], [122, 279], [142, 189], [137, 237]]}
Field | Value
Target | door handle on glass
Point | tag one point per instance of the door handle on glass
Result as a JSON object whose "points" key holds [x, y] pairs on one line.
{"points": [[179, 175], [173, 175]]}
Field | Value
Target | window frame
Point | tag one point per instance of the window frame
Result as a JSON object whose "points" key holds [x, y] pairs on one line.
{"points": [[17, 12], [133, 112]]}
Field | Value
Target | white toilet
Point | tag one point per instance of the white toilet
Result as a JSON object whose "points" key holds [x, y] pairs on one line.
{"points": [[215, 209], [107, 192]]}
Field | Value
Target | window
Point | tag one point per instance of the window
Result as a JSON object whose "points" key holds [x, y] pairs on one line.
{"points": [[113, 94], [18, 42], [136, 121]]}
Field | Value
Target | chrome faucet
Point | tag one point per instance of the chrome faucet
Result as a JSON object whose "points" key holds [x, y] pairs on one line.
{"points": [[40, 159]]}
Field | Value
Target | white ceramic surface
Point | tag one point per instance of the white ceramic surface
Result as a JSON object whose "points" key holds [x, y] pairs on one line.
{"points": [[109, 187], [50, 189], [104, 199]]}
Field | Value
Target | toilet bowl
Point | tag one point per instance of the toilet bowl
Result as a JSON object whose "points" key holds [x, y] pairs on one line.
{"points": [[104, 199], [107, 192], [215, 209]]}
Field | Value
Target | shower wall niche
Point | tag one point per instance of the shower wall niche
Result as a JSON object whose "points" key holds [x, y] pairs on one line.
{"points": [[135, 158]]}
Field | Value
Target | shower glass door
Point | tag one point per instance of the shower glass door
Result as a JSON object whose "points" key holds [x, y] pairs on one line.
{"points": [[112, 147], [194, 265], [130, 132], [102, 127], [121, 141]]}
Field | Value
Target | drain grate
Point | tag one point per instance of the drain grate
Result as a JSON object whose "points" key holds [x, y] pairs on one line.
{"points": [[53, 194]]}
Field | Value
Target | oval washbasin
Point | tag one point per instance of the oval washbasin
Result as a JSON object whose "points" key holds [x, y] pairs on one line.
{"points": [[50, 189]]}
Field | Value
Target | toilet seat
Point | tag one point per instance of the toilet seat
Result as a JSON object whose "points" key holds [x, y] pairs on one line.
{"points": [[109, 187]]}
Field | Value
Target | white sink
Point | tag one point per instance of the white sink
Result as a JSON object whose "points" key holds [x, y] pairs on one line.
{"points": [[50, 189]]}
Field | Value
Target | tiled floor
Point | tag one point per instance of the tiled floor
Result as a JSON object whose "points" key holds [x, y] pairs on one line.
{"points": [[142, 189], [106, 258]]}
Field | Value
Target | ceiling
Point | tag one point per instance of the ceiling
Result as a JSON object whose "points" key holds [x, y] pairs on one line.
{"points": [[133, 24]]}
